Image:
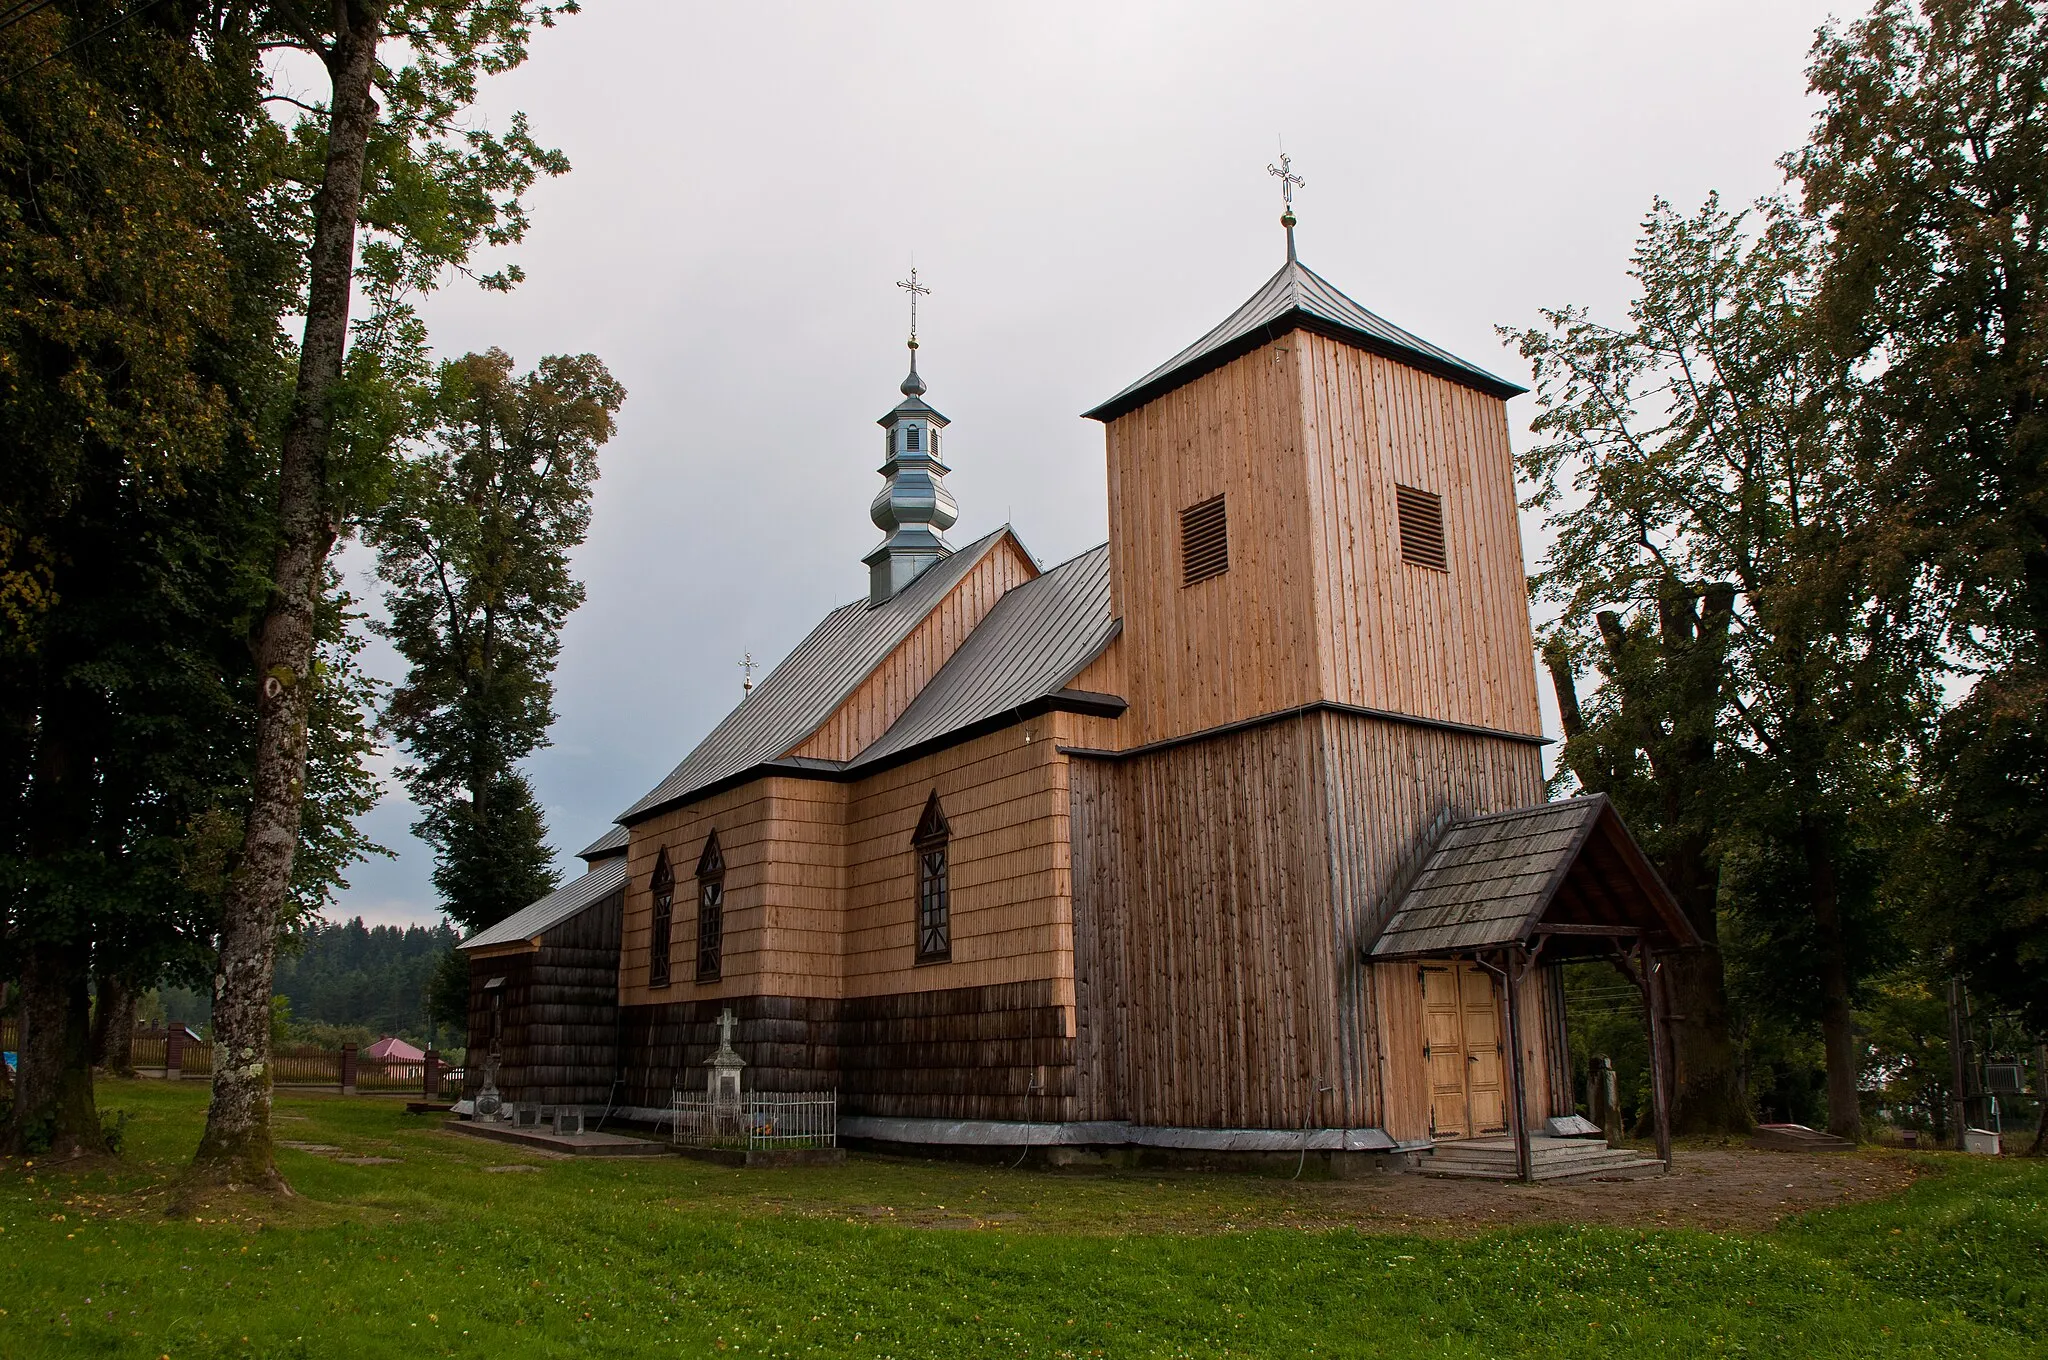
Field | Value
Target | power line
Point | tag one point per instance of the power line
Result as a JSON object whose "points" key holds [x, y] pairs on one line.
{"points": [[26, 9], [105, 28]]}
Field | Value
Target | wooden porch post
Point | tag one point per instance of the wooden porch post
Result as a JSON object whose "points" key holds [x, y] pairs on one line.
{"points": [[1511, 969], [1660, 1077]]}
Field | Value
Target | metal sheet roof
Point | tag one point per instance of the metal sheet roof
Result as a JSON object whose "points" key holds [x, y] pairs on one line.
{"points": [[573, 897], [1037, 638], [812, 681], [612, 842], [1297, 296], [1499, 880]]}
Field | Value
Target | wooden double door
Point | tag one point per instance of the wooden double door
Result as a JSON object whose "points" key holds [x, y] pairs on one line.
{"points": [[1462, 1023]]}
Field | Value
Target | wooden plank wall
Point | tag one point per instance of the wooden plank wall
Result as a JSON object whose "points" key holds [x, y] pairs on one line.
{"points": [[1203, 899], [1307, 437], [1242, 643], [744, 818], [1008, 865], [1224, 892], [1388, 790], [517, 970], [1453, 644], [1001, 1052], [880, 700], [571, 1026]]}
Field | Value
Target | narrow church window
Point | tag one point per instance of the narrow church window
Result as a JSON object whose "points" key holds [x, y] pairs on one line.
{"points": [[663, 886], [910, 438], [1204, 542], [934, 907], [710, 911], [888, 443], [1422, 527]]}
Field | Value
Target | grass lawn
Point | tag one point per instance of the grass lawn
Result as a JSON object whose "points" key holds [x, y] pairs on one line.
{"points": [[424, 1243]]}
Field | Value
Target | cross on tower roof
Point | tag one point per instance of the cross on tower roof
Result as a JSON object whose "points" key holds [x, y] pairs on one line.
{"points": [[1289, 182], [916, 290]]}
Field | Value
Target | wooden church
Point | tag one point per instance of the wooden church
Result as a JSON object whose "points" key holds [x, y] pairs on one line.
{"points": [[1229, 834]]}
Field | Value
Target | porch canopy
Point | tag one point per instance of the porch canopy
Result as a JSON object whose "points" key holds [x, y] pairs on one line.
{"points": [[1565, 880], [1557, 881]]}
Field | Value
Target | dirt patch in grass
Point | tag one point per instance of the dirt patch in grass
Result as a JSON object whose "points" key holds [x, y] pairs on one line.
{"points": [[1717, 1189]]}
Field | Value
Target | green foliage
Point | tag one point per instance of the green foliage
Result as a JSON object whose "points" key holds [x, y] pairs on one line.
{"points": [[448, 997], [663, 1257], [1928, 169], [474, 546], [373, 977]]}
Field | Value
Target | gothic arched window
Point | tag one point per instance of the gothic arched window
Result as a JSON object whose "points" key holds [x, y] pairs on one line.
{"points": [[934, 904], [663, 886], [910, 438], [710, 911]]}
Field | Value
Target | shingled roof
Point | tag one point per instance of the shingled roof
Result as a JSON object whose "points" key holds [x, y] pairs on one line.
{"points": [[572, 898], [1299, 298], [1568, 869], [812, 681]]}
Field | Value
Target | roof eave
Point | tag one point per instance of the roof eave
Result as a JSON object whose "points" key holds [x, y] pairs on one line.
{"points": [[1296, 318]]}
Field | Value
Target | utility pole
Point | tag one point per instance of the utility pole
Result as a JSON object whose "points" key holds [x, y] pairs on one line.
{"points": [[1958, 1062]]}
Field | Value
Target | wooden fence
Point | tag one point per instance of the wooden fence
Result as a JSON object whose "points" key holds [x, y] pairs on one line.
{"points": [[169, 1054]]}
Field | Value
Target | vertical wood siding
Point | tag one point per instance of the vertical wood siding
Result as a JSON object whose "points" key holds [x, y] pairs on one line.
{"points": [[880, 700], [1308, 437], [1453, 645], [1224, 891]]}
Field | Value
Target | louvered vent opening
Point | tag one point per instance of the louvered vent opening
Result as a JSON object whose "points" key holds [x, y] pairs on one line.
{"points": [[1422, 527], [1204, 542]]}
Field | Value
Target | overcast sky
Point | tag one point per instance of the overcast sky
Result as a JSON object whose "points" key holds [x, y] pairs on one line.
{"points": [[1084, 188]]}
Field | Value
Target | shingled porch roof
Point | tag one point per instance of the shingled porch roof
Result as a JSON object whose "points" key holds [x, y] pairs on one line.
{"points": [[1566, 873]]}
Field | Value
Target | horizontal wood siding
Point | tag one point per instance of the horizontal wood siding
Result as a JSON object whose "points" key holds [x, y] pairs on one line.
{"points": [[513, 1056], [571, 1029], [880, 700], [1002, 1052], [1452, 644], [1011, 877]]}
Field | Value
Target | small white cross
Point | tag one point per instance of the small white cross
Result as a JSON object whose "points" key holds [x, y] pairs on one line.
{"points": [[916, 290], [747, 665], [725, 1024], [1289, 181]]}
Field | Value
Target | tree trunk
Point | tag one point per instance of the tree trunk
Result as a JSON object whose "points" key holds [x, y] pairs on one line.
{"points": [[54, 1113], [1707, 1094], [236, 1147], [113, 1027], [1837, 1024]]}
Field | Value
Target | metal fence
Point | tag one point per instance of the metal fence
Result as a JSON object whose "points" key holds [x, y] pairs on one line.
{"points": [[758, 1120]]}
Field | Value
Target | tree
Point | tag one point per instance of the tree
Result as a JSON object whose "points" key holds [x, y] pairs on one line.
{"points": [[1703, 444], [474, 544], [139, 354], [429, 191], [1652, 746], [1928, 165]]}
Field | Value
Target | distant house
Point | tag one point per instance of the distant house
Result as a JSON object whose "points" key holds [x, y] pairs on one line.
{"points": [[389, 1049]]}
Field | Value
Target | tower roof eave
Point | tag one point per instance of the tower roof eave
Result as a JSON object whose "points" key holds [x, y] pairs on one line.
{"points": [[1298, 298]]}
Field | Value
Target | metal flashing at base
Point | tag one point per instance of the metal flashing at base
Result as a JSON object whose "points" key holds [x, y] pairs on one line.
{"points": [[1112, 1133]]}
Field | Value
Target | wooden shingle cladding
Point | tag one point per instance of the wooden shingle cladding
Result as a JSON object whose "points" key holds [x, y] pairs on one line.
{"points": [[821, 943], [1308, 438], [559, 1041], [1225, 890], [1493, 882]]}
